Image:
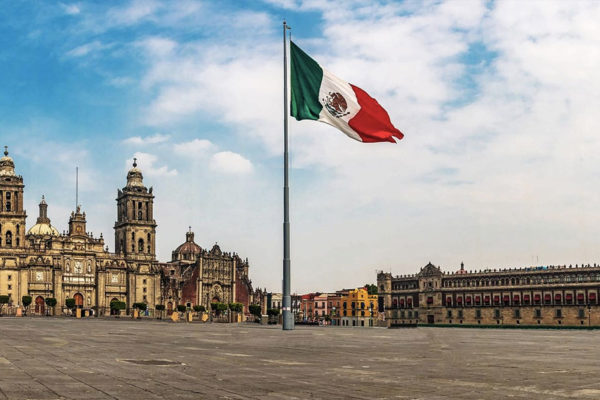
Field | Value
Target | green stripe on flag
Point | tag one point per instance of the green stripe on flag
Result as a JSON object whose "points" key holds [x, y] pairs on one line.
{"points": [[306, 77]]}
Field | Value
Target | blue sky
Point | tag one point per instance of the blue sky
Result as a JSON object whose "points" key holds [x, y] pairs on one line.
{"points": [[496, 99]]}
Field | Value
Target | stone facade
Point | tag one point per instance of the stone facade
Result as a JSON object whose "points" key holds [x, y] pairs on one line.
{"points": [[43, 263], [196, 276], [538, 296]]}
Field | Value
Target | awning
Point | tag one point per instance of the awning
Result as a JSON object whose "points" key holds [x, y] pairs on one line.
{"points": [[592, 296], [569, 296], [537, 297], [506, 298], [468, 300], [496, 298], [409, 300], [547, 297], [402, 301], [580, 296], [557, 296], [525, 297], [459, 299], [448, 300], [487, 299], [477, 299], [516, 298]]}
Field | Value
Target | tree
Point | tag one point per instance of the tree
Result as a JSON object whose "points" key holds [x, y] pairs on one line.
{"points": [[199, 308], [26, 302], [218, 308], [4, 299], [50, 302], [181, 308], [371, 289], [140, 306], [273, 312], [255, 310], [115, 306], [70, 303], [236, 307]]}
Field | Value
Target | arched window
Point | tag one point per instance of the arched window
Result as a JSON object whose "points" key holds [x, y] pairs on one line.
{"points": [[139, 214], [18, 241], [133, 247], [8, 205], [141, 245], [18, 228], [133, 236], [9, 238]]}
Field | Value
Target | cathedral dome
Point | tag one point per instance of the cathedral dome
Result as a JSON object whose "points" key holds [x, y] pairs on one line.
{"points": [[7, 165], [43, 226], [43, 229], [134, 176], [188, 250]]}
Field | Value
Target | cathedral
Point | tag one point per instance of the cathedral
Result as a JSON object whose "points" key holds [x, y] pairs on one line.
{"points": [[43, 263]]}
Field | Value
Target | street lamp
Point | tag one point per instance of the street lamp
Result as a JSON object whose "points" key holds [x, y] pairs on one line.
{"points": [[333, 313], [371, 316]]}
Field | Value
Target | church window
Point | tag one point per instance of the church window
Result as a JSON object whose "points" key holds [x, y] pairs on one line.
{"points": [[141, 245], [18, 241], [18, 228], [8, 206], [9, 238], [140, 210], [148, 249], [132, 247], [132, 236]]}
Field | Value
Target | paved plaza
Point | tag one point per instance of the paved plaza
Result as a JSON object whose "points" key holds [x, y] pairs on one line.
{"points": [[61, 358]]}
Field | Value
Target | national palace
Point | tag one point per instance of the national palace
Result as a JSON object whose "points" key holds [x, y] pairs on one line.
{"points": [[543, 295], [43, 263]]}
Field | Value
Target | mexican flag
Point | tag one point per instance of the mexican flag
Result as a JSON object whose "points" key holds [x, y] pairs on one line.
{"points": [[319, 95]]}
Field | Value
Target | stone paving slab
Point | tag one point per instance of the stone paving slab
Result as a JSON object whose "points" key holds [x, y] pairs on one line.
{"points": [[61, 358]]}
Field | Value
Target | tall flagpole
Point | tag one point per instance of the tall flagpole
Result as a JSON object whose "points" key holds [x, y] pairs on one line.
{"points": [[288, 317]]}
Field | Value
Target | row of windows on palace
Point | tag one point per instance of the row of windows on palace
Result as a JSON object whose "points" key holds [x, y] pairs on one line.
{"points": [[504, 300], [562, 278], [460, 314]]}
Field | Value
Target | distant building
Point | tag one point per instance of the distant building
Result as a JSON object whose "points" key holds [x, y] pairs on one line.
{"points": [[359, 308], [547, 296], [195, 276]]}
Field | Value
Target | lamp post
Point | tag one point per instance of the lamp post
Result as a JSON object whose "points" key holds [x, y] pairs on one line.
{"points": [[370, 316], [333, 315]]}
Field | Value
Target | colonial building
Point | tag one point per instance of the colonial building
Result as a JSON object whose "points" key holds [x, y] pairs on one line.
{"points": [[547, 295], [196, 276], [41, 262]]}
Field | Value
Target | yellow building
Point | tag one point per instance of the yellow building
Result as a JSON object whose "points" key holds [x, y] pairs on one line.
{"points": [[358, 308]]}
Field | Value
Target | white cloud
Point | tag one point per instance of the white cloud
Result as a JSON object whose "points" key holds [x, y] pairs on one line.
{"points": [[193, 148], [71, 9], [86, 49], [140, 141], [147, 163], [230, 163]]}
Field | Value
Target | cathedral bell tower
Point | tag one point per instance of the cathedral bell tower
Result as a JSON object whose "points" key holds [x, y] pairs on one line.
{"points": [[135, 229], [12, 215]]}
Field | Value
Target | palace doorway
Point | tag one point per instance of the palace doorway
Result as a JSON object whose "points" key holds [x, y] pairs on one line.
{"points": [[430, 319]]}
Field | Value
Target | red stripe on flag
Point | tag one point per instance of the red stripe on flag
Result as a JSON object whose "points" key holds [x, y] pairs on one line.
{"points": [[372, 122]]}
